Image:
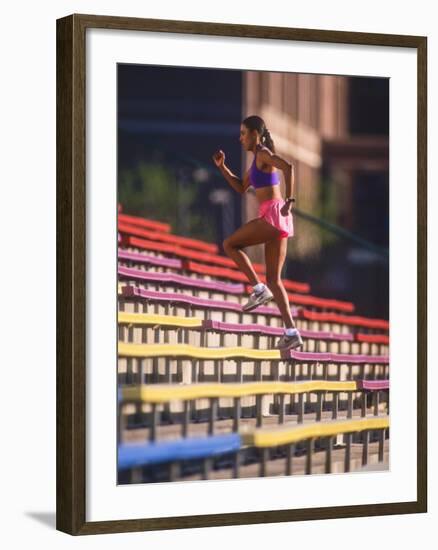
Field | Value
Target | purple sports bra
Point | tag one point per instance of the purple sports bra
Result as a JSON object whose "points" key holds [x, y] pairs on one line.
{"points": [[259, 178]]}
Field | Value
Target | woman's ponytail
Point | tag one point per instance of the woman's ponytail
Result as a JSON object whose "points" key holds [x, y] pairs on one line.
{"points": [[268, 141]]}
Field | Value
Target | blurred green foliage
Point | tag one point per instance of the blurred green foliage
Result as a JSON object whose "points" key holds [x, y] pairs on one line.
{"points": [[154, 191], [328, 209]]}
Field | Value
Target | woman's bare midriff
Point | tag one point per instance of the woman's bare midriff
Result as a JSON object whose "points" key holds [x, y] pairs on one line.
{"points": [[267, 193]]}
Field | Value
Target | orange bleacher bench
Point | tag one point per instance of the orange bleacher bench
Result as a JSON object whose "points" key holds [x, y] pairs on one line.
{"points": [[349, 320], [372, 338], [143, 222], [348, 307], [235, 275], [128, 229]]}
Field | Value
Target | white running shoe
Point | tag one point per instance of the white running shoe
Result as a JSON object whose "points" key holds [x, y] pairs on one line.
{"points": [[289, 342], [256, 300]]}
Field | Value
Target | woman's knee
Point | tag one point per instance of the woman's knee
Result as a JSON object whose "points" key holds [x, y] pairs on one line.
{"points": [[228, 244]]}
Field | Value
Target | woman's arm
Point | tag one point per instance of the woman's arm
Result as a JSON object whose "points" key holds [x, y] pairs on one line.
{"points": [[236, 183], [286, 167]]}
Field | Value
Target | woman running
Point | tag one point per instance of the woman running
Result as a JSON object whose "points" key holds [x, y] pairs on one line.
{"points": [[272, 227]]}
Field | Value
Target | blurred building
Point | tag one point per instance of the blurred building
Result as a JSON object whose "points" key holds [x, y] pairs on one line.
{"points": [[335, 130]]}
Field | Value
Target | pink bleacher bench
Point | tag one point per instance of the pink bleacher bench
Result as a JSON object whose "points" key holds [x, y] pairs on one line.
{"points": [[204, 303], [179, 280], [177, 250], [351, 360], [141, 275], [265, 330], [334, 357], [249, 328], [373, 385], [209, 305]]}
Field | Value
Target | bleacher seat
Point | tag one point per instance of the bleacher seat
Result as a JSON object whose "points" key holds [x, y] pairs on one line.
{"points": [[202, 389]]}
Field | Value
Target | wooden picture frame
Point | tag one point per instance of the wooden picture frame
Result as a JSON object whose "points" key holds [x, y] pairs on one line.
{"points": [[71, 272]]}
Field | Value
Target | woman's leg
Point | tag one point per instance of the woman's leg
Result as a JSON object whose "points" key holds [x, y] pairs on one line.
{"points": [[275, 254], [256, 231]]}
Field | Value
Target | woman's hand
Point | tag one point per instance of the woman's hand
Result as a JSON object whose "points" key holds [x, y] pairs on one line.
{"points": [[219, 158], [286, 208]]}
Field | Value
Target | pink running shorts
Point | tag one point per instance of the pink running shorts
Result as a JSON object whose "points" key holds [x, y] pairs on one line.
{"points": [[270, 211]]}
